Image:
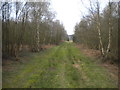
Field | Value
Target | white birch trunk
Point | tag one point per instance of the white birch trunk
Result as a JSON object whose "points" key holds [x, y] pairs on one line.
{"points": [[110, 30], [100, 39], [99, 30], [37, 39]]}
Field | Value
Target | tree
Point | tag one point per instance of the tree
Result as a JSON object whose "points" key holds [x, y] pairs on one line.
{"points": [[98, 30], [31, 25]]}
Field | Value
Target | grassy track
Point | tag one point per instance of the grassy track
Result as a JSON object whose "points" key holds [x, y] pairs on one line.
{"points": [[63, 66]]}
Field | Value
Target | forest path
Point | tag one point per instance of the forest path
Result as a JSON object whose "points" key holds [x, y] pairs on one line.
{"points": [[63, 66]]}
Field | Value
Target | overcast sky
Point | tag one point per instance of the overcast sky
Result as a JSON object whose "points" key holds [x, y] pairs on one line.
{"points": [[69, 12]]}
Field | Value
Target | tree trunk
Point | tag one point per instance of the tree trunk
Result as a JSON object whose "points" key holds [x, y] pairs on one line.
{"points": [[99, 31], [110, 30], [37, 39]]}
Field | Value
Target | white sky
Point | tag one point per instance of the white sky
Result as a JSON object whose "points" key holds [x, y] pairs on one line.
{"points": [[69, 12]]}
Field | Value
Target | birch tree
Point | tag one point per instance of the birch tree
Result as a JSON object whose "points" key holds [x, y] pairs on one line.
{"points": [[99, 30], [28, 24]]}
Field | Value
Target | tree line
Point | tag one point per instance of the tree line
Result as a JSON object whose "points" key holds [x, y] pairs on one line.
{"points": [[29, 23], [99, 30]]}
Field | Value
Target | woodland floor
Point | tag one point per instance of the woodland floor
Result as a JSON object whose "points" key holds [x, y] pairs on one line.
{"points": [[63, 66]]}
